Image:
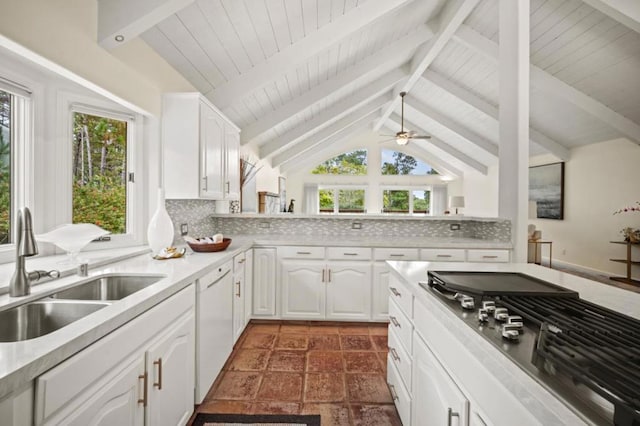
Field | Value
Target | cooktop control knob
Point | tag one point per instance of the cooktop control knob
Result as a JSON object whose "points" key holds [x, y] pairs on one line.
{"points": [[501, 314], [489, 306], [467, 302], [516, 321], [483, 316], [510, 332]]}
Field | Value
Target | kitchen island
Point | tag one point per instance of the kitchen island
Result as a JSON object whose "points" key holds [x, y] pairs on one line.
{"points": [[479, 381]]}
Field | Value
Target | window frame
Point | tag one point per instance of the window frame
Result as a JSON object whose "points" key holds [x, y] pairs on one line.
{"points": [[336, 197], [22, 160], [73, 103], [410, 189]]}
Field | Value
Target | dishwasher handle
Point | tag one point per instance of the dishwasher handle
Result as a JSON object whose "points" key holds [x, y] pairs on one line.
{"points": [[219, 278]]}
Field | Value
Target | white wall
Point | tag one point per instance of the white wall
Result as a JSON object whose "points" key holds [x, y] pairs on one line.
{"points": [[481, 193], [374, 179], [599, 179]]}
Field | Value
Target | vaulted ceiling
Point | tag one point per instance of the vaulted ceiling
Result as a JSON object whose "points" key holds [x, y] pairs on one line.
{"points": [[300, 76]]}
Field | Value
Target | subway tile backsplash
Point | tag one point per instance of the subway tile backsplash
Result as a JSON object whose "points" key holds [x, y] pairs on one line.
{"points": [[198, 215]]}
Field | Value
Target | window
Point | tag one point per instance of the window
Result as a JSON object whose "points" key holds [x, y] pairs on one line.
{"points": [[341, 200], [398, 163], [407, 201], [349, 163], [5, 167], [102, 148]]}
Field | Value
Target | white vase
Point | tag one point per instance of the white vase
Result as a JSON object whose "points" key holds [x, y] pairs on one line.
{"points": [[160, 230]]}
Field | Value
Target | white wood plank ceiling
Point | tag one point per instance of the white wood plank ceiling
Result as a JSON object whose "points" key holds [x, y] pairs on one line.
{"points": [[300, 76]]}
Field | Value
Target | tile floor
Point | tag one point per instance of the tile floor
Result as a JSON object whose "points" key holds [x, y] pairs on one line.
{"points": [[337, 370]]}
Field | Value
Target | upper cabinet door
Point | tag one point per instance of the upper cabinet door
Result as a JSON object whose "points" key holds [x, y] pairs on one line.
{"points": [[212, 181], [232, 144]]}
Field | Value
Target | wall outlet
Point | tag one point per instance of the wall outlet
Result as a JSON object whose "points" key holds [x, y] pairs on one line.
{"points": [[454, 227], [356, 225], [265, 225], [184, 229]]}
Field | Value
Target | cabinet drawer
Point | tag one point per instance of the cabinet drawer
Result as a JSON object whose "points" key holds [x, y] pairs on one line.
{"points": [[300, 252], [238, 262], [400, 325], [400, 358], [396, 254], [399, 393], [488, 255], [400, 294], [443, 255], [348, 253]]}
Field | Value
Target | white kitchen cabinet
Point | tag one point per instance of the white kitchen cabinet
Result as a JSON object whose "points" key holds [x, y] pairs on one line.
{"points": [[17, 408], [348, 290], [112, 381], [303, 289], [170, 366], [264, 282], [380, 292], [200, 149], [441, 401], [443, 255], [248, 285], [239, 319], [476, 255]]}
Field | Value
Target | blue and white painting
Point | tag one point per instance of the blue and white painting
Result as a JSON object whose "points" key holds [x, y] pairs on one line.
{"points": [[546, 186]]}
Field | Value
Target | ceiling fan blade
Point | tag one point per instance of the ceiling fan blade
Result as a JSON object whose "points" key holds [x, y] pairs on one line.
{"points": [[420, 137], [387, 140]]}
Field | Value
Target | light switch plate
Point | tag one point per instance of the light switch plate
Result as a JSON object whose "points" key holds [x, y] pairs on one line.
{"points": [[184, 229]]}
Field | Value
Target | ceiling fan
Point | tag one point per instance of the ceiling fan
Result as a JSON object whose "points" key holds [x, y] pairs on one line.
{"points": [[403, 137]]}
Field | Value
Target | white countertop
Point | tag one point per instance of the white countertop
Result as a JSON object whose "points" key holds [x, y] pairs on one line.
{"points": [[540, 401], [23, 361]]}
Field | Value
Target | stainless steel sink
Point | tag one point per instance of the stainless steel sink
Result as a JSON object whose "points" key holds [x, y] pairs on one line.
{"points": [[108, 287], [42, 317]]}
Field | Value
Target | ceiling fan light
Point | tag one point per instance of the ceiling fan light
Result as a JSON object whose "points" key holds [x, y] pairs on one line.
{"points": [[402, 140]]}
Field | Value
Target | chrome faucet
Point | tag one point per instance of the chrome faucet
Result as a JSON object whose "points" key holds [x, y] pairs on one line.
{"points": [[20, 284]]}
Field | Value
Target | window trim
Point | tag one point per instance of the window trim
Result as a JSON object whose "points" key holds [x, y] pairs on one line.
{"points": [[336, 197], [73, 103], [411, 189]]}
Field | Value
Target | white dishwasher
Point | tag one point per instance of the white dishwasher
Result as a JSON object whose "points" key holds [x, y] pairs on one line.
{"points": [[214, 326]]}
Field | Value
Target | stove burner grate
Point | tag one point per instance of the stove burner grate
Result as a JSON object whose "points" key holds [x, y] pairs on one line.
{"points": [[595, 346]]}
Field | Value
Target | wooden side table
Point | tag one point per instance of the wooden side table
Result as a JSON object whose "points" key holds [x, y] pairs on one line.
{"points": [[537, 243], [628, 261]]}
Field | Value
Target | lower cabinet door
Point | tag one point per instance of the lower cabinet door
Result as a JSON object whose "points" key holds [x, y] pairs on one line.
{"points": [[349, 290], [238, 306], [441, 401], [380, 292], [401, 397], [170, 365], [303, 289], [248, 286], [115, 399]]}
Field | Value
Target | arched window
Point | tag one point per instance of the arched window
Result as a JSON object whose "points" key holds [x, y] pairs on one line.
{"points": [[350, 163], [399, 163]]}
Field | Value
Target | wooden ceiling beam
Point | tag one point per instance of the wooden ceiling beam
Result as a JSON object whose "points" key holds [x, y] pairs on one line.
{"points": [[451, 17], [122, 20], [627, 12], [389, 57], [441, 145], [364, 114], [297, 53], [334, 113], [457, 128], [491, 110], [554, 86]]}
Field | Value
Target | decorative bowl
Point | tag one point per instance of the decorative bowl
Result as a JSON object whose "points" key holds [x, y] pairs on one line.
{"points": [[210, 247]]}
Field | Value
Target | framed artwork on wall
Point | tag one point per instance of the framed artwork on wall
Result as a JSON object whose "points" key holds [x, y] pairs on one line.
{"points": [[282, 190], [546, 188]]}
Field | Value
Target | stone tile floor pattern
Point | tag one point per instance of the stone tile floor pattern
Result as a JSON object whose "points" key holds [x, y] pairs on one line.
{"points": [[337, 370]]}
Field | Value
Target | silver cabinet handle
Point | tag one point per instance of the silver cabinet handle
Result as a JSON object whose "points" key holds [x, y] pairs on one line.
{"points": [[450, 415], [303, 252], [392, 389], [206, 183], [323, 271], [396, 255], [394, 353], [329, 280], [490, 257], [394, 321], [395, 292], [228, 187], [238, 284], [443, 255], [350, 254]]}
